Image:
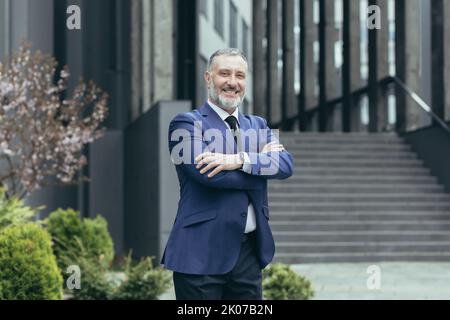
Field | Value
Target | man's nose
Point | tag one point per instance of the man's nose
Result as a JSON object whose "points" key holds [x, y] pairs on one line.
{"points": [[232, 81]]}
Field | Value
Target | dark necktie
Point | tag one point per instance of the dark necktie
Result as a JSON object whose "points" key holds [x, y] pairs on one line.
{"points": [[232, 122]]}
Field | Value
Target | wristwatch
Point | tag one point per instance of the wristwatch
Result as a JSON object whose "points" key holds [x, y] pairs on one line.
{"points": [[242, 157]]}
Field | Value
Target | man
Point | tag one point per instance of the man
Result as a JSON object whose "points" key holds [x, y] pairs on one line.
{"points": [[221, 239]]}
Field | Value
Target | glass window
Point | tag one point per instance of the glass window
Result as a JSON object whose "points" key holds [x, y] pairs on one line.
{"points": [[218, 16], [233, 26]]}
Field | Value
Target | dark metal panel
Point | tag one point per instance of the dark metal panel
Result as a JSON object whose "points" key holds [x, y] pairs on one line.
{"points": [[437, 58], [302, 51], [347, 105], [273, 96], [186, 49], [259, 68], [400, 66], [288, 92], [373, 77], [323, 107]]}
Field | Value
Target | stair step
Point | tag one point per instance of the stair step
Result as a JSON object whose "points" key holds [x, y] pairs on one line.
{"points": [[359, 206], [358, 171], [310, 147], [307, 179], [352, 225], [406, 215], [352, 155], [359, 163], [298, 197], [341, 139], [336, 257], [354, 188], [362, 247], [358, 236]]}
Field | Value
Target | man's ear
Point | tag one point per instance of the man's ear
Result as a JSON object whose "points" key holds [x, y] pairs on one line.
{"points": [[207, 76]]}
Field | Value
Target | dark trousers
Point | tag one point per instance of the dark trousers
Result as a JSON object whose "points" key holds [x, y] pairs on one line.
{"points": [[243, 282]]}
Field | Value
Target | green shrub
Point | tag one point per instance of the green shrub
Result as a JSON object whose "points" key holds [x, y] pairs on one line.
{"points": [[143, 281], [28, 266], [68, 230], [94, 284], [138, 281], [13, 211], [280, 282]]}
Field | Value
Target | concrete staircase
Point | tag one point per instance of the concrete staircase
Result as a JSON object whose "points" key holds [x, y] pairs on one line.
{"points": [[355, 198]]}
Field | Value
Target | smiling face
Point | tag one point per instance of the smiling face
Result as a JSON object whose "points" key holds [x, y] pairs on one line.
{"points": [[226, 81]]}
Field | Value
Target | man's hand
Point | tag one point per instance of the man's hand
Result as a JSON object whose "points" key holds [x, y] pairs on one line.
{"points": [[272, 147], [219, 162]]}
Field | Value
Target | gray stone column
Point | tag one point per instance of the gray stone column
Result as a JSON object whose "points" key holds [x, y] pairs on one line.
{"points": [[408, 61], [310, 69], [355, 58], [378, 69], [163, 73], [289, 105], [383, 41], [331, 36], [136, 51]]}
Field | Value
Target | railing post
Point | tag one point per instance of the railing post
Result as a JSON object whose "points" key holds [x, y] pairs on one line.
{"points": [[288, 96]]}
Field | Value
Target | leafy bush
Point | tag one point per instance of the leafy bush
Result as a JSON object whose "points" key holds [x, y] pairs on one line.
{"points": [[28, 266], [143, 281], [138, 281], [13, 211], [94, 284], [280, 282], [69, 231]]}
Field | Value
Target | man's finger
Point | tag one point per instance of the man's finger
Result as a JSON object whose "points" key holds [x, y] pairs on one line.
{"points": [[203, 155], [210, 166], [204, 161], [215, 171], [274, 146]]}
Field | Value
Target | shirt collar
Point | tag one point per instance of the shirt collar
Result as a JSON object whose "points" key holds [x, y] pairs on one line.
{"points": [[222, 113]]}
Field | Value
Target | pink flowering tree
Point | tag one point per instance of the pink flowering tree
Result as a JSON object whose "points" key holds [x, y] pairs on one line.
{"points": [[43, 129]]}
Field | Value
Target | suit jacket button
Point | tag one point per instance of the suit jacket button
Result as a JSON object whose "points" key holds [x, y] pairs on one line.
{"points": [[244, 214]]}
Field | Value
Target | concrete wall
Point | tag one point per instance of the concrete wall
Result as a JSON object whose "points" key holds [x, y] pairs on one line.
{"points": [[431, 144], [150, 182]]}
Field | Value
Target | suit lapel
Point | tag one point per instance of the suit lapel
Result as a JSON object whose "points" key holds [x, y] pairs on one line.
{"points": [[216, 122]]}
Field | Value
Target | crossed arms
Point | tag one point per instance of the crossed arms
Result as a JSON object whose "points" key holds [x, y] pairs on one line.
{"points": [[220, 170]]}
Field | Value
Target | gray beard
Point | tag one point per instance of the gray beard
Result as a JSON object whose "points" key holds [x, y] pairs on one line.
{"points": [[225, 103]]}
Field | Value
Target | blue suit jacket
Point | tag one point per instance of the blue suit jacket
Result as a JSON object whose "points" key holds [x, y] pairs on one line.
{"points": [[212, 212]]}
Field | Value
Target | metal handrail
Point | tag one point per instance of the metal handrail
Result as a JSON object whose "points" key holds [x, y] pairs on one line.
{"points": [[364, 90], [421, 104]]}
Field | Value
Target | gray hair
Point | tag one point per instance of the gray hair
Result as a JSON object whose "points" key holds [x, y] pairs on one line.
{"points": [[225, 52]]}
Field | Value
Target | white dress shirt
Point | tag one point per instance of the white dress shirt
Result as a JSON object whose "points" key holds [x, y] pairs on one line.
{"points": [[246, 167]]}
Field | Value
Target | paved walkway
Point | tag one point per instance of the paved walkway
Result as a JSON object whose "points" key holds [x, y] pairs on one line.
{"points": [[398, 281]]}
